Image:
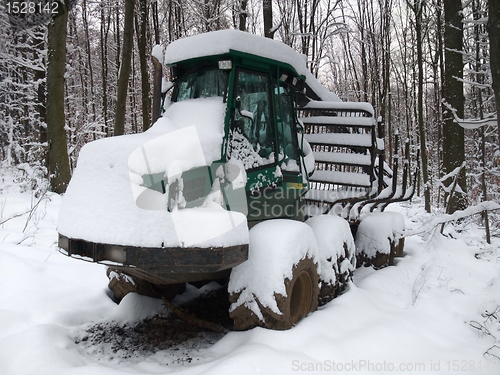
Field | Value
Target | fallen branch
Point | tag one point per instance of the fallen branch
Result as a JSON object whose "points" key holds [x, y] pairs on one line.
{"points": [[191, 319], [471, 123], [14, 216], [490, 327], [481, 328], [453, 187], [29, 211], [457, 215], [491, 351], [33, 210]]}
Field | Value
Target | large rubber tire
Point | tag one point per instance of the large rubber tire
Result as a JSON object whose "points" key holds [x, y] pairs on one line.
{"points": [[329, 291], [121, 284], [398, 249], [301, 298], [380, 260], [336, 253], [382, 231], [383, 260]]}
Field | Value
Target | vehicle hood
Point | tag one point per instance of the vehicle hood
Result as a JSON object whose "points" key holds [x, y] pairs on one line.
{"points": [[101, 201]]}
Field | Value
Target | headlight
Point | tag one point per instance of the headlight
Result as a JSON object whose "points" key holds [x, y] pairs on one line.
{"points": [[225, 65], [63, 243], [116, 254]]}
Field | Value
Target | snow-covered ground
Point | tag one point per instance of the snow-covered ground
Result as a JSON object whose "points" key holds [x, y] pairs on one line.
{"points": [[430, 313]]}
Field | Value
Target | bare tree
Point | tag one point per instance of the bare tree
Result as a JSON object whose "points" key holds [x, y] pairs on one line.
{"points": [[104, 37], [205, 15], [141, 22], [453, 134], [123, 78], [175, 20], [267, 12], [156, 26], [89, 58], [58, 160], [418, 8], [243, 15], [493, 27]]}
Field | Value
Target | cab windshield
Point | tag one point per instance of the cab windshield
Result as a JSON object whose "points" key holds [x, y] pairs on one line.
{"points": [[203, 83]]}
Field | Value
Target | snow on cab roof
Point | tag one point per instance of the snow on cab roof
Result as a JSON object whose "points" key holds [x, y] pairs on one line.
{"points": [[223, 41]]}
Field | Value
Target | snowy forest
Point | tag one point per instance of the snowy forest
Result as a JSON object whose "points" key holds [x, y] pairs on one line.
{"points": [[425, 65], [124, 270]]}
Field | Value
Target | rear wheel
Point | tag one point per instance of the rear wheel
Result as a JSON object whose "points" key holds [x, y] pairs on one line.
{"points": [[398, 248], [343, 267], [336, 254], [379, 239]]}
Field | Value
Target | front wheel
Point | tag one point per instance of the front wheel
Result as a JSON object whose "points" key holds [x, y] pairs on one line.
{"points": [[278, 285], [301, 298], [302, 293]]}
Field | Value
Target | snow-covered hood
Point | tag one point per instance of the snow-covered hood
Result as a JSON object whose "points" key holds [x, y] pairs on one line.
{"points": [[103, 201], [189, 135]]}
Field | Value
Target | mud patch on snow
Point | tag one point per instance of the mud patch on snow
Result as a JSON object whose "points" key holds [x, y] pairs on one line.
{"points": [[177, 341]]}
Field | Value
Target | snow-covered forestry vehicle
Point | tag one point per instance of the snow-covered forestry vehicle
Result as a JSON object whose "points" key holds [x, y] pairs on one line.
{"points": [[255, 175]]}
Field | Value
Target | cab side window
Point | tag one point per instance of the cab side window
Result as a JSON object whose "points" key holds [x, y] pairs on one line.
{"points": [[287, 132], [253, 138], [203, 83]]}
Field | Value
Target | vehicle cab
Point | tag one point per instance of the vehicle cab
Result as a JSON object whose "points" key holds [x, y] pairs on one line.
{"points": [[261, 126]]}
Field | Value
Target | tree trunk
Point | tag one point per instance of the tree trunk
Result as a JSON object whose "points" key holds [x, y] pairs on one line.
{"points": [[493, 27], [58, 160], [157, 82], [39, 78], [476, 6], [116, 29], [104, 28], [418, 9], [453, 134], [243, 15], [301, 8], [207, 15], [439, 29], [267, 12], [89, 59], [124, 74], [141, 23], [156, 26], [364, 58]]}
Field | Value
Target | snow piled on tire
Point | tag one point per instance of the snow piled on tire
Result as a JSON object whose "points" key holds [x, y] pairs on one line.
{"points": [[376, 232], [331, 233], [275, 247]]}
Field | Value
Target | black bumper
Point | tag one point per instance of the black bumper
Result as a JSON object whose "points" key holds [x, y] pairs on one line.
{"points": [[159, 265]]}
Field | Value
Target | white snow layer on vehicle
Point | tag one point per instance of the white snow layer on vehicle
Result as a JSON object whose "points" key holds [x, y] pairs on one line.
{"points": [[377, 230], [275, 247], [309, 160], [100, 202], [242, 149], [343, 106], [222, 41], [331, 233]]}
